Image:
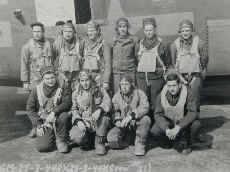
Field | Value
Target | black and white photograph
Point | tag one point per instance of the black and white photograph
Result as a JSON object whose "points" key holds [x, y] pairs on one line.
{"points": [[114, 86]]}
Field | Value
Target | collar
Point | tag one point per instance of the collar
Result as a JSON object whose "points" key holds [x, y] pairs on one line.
{"points": [[168, 94], [48, 91], [39, 43], [186, 41], [127, 97], [71, 44], [92, 44], [151, 43], [123, 40]]}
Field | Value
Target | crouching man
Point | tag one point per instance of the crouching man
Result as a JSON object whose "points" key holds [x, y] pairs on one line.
{"points": [[130, 116], [90, 113], [47, 108], [176, 121]]}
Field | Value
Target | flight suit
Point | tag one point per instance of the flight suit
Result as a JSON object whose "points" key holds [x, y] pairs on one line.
{"points": [[124, 59], [171, 110], [68, 58], [84, 103], [34, 56], [152, 63], [136, 103], [97, 59], [41, 102], [190, 59]]}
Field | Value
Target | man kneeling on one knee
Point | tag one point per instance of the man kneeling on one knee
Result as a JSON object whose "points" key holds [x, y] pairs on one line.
{"points": [[90, 108], [130, 115], [47, 108], [176, 121]]}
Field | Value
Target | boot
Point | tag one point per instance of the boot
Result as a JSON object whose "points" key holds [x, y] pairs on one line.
{"points": [[139, 147], [33, 133], [62, 146], [100, 145]]}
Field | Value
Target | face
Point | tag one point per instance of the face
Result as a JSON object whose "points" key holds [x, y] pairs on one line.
{"points": [[149, 31], [122, 28], [49, 79], [125, 87], [92, 33], [68, 33], [186, 32], [173, 87], [85, 83], [38, 33]]}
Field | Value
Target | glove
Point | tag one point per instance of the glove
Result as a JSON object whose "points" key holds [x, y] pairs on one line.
{"points": [[96, 114], [51, 118], [126, 121]]}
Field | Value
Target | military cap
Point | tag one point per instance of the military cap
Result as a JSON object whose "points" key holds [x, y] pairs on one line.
{"points": [[127, 78], [93, 24], [37, 24], [150, 20], [47, 70], [70, 25], [59, 23], [186, 23]]}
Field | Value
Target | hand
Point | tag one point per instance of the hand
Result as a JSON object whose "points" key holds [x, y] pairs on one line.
{"points": [[174, 132], [96, 114], [168, 133], [105, 86], [183, 80], [51, 118], [75, 115], [126, 121], [118, 124], [203, 73], [81, 126], [26, 85], [40, 131]]}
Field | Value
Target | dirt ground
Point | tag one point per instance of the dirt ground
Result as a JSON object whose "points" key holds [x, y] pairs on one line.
{"points": [[17, 152]]}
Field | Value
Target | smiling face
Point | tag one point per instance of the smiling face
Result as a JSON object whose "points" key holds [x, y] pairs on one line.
{"points": [[38, 33], [49, 79], [186, 32], [149, 30]]}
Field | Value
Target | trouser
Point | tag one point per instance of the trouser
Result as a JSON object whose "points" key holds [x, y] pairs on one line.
{"points": [[186, 135], [81, 138], [68, 79], [46, 142], [117, 77], [152, 88], [140, 128]]}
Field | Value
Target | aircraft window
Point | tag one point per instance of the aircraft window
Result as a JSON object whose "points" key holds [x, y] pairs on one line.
{"points": [[82, 11]]}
